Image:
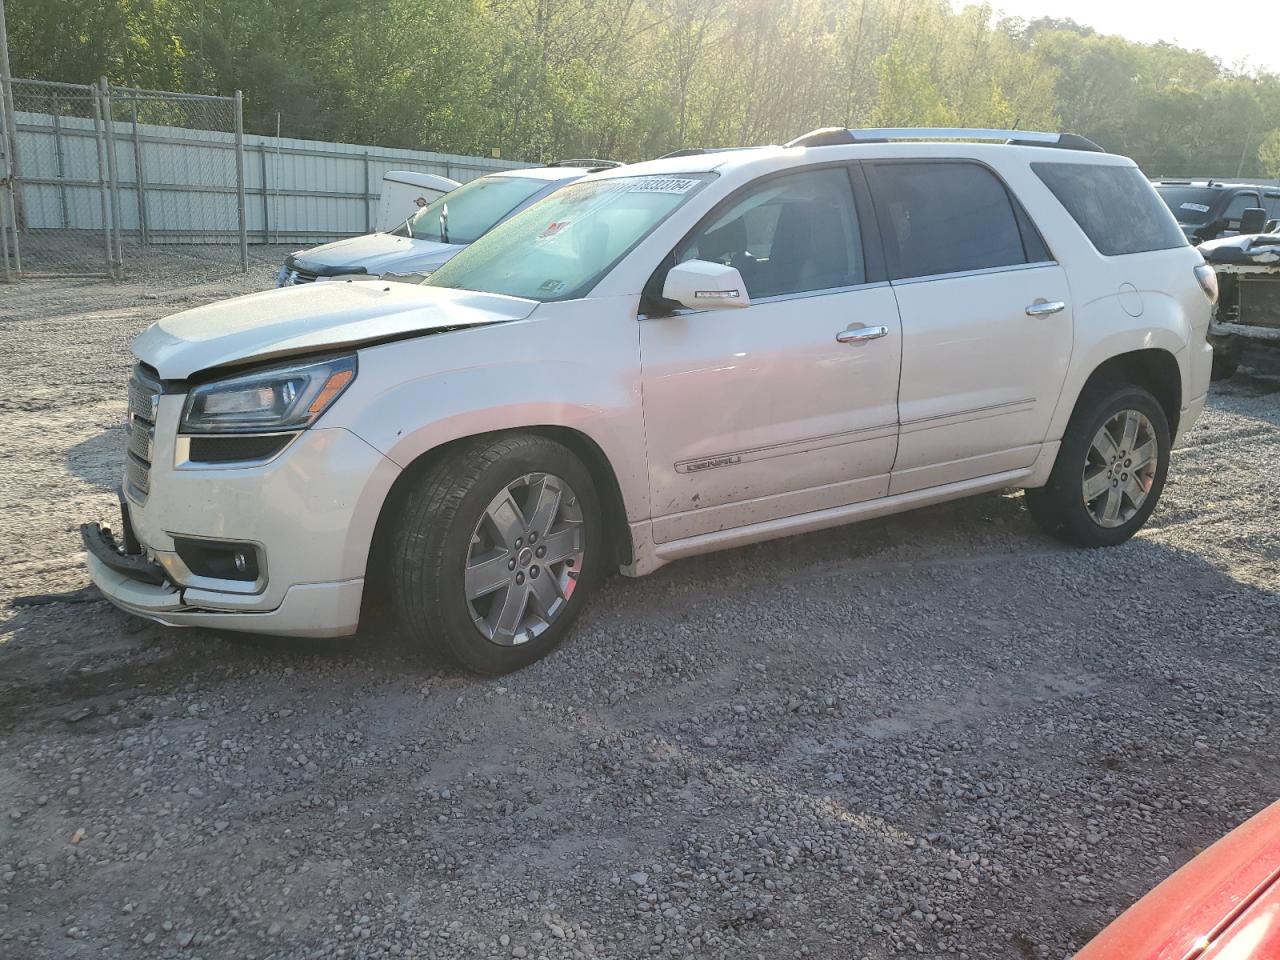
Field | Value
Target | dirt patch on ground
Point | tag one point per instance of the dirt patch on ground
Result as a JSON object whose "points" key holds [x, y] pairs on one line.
{"points": [[940, 733]]}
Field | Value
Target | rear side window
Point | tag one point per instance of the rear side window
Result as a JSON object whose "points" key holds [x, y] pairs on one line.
{"points": [[949, 217], [1189, 204], [1116, 207]]}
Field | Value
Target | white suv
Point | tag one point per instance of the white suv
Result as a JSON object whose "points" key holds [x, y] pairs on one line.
{"points": [[659, 361]]}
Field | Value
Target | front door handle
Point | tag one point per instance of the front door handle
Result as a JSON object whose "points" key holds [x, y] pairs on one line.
{"points": [[861, 334], [1045, 308]]}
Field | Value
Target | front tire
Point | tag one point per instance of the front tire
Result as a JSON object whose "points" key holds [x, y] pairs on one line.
{"points": [[1110, 469], [498, 545]]}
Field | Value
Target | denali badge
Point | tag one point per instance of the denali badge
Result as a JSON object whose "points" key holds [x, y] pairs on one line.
{"points": [[710, 463]]}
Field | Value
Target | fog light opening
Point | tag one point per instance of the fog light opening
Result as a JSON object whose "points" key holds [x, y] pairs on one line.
{"points": [[219, 560]]}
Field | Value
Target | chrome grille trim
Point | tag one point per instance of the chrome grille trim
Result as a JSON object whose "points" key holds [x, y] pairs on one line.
{"points": [[141, 439], [144, 398]]}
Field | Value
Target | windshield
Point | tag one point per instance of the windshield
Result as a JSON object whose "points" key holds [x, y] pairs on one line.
{"points": [[560, 247], [470, 211], [1189, 204]]}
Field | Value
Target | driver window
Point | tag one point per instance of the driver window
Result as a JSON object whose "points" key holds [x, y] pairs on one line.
{"points": [[792, 234]]}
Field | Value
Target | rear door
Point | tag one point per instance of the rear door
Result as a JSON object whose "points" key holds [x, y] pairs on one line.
{"points": [[986, 321]]}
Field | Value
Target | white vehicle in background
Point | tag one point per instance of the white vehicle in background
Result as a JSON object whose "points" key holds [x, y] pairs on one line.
{"points": [[405, 192], [416, 247], [659, 361]]}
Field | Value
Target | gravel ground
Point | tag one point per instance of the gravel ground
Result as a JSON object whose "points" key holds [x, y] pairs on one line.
{"points": [[939, 734]]}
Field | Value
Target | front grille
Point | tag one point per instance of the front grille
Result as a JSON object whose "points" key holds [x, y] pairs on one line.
{"points": [[1259, 300], [298, 275], [144, 397]]}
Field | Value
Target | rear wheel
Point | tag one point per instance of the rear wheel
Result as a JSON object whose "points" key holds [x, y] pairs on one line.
{"points": [[498, 546], [1110, 469]]}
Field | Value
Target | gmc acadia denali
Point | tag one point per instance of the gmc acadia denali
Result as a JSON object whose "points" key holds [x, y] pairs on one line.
{"points": [[658, 361]]}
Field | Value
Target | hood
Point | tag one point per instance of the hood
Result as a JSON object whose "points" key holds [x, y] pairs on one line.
{"points": [[1211, 907], [1259, 249], [378, 253], [310, 318]]}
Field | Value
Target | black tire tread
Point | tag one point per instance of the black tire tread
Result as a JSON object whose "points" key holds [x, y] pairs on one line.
{"points": [[418, 553], [1054, 506]]}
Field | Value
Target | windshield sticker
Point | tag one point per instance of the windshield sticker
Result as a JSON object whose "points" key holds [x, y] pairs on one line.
{"points": [[1197, 207], [662, 185], [551, 286], [552, 228]]}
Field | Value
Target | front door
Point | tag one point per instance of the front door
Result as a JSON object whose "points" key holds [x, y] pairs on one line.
{"points": [[757, 413]]}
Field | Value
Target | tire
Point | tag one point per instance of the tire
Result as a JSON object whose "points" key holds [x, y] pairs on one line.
{"points": [[1224, 367], [1226, 357], [1063, 507], [448, 549]]}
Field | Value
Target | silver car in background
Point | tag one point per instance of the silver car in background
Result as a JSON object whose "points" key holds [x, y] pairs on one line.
{"points": [[433, 235]]}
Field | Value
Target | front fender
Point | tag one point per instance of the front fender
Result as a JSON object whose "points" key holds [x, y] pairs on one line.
{"points": [[573, 365]]}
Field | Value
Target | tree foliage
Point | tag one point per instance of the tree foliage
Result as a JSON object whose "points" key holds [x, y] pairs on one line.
{"points": [[544, 79]]}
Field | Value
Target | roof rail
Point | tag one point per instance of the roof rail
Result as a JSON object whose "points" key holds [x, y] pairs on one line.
{"points": [[699, 151], [590, 162], [830, 136]]}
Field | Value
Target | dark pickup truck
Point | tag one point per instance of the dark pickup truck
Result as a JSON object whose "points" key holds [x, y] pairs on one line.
{"points": [[1248, 310], [1209, 209]]}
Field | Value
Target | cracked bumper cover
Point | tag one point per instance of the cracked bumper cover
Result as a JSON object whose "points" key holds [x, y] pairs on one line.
{"points": [[308, 610], [314, 535], [139, 586]]}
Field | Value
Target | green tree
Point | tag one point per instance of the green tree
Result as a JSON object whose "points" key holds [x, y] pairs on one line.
{"points": [[547, 79], [1269, 154]]}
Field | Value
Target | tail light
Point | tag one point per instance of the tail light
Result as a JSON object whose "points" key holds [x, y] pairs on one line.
{"points": [[1208, 281]]}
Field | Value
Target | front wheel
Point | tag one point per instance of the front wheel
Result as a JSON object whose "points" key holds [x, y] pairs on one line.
{"points": [[1110, 469], [498, 545]]}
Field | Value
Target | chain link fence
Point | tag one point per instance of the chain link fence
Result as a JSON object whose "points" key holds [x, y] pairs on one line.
{"points": [[119, 181], [102, 176], [177, 163], [58, 211]]}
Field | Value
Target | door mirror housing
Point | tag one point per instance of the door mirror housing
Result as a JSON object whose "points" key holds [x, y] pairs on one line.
{"points": [[1253, 220], [703, 285]]}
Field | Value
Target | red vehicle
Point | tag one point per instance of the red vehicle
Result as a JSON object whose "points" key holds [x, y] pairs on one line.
{"points": [[1223, 905]]}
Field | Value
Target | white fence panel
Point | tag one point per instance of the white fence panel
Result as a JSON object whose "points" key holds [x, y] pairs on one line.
{"points": [[322, 191], [296, 191]]}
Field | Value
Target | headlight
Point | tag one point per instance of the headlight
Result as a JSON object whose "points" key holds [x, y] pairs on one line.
{"points": [[281, 398]]}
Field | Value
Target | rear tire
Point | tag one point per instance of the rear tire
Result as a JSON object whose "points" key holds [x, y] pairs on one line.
{"points": [[1226, 357], [1224, 368], [1110, 469], [498, 545]]}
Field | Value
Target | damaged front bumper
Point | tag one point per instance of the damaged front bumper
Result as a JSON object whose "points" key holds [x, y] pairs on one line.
{"points": [[135, 583]]}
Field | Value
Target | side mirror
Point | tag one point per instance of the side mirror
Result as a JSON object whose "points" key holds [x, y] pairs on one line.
{"points": [[1253, 220], [703, 285]]}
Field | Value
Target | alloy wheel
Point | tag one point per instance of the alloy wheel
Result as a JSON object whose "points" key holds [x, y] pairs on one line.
{"points": [[1120, 468], [525, 558]]}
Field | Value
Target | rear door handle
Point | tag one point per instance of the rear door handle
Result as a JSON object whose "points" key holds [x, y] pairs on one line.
{"points": [[861, 334], [1045, 308]]}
